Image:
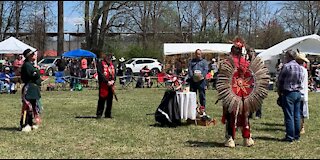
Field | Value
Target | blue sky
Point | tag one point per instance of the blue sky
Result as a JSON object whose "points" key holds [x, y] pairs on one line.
{"points": [[73, 14]]}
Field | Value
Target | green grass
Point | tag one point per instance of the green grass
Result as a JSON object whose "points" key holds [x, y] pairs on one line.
{"points": [[131, 134]]}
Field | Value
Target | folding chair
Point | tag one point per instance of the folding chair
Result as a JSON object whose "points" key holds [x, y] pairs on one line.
{"points": [[59, 81], [160, 79]]}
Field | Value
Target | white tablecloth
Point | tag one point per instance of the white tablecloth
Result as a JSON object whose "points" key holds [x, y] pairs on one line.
{"points": [[187, 102]]}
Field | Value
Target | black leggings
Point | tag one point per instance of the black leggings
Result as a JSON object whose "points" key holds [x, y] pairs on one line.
{"points": [[101, 105]]}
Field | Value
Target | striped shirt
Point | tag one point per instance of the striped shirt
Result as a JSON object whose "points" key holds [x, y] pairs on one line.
{"points": [[290, 77]]}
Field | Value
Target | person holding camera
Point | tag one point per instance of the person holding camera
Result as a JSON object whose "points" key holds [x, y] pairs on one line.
{"points": [[197, 71]]}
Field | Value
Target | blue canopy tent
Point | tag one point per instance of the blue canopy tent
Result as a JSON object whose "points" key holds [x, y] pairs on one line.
{"points": [[79, 53]]}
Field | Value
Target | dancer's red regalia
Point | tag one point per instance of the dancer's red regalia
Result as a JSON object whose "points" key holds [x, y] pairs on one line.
{"points": [[242, 87]]}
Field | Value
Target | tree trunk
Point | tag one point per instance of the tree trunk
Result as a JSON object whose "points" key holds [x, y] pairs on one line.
{"points": [[103, 29], [18, 11], [1, 14], [179, 22], [94, 29], [238, 18], [9, 23], [60, 28], [44, 31], [204, 10], [86, 24]]}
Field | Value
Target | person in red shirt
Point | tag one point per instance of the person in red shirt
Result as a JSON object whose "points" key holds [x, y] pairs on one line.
{"points": [[17, 64], [84, 67]]}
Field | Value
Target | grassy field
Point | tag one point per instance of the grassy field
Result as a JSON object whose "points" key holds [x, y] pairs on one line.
{"points": [[132, 134]]}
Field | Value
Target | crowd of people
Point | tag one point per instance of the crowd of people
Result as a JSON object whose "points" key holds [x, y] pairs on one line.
{"points": [[293, 84], [10, 72]]}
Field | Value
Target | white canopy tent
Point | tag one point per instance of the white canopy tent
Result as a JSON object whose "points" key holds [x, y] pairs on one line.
{"points": [[306, 44], [185, 48], [13, 46]]}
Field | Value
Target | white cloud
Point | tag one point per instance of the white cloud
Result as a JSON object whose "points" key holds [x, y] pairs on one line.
{"points": [[73, 20], [70, 24]]}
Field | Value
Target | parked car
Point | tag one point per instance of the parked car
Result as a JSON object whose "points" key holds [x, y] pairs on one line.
{"points": [[48, 64], [134, 65]]}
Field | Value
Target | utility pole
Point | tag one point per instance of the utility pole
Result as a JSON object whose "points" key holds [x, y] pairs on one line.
{"points": [[60, 28], [78, 25]]}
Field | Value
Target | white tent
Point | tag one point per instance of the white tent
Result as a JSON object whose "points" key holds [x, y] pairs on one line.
{"points": [[13, 46], [185, 48], [306, 44]]}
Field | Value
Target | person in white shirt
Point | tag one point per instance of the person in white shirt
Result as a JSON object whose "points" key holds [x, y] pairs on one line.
{"points": [[301, 59]]}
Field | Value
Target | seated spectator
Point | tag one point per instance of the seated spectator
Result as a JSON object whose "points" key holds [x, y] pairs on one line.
{"points": [[145, 74], [317, 77], [312, 85], [7, 82], [176, 84]]}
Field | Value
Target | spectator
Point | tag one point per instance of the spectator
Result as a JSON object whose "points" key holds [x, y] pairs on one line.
{"points": [[17, 64], [61, 65], [314, 66], [317, 77], [74, 73], [145, 73], [121, 68], [6, 62], [289, 86], [114, 62], [214, 72], [198, 69], [301, 60], [178, 67], [7, 81], [84, 67]]}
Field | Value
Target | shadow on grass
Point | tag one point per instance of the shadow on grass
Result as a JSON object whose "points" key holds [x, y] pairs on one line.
{"points": [[270, 129], [9, 129], [87, 117], [268, 138], [272, 124], [168, 126], [205, 144]]}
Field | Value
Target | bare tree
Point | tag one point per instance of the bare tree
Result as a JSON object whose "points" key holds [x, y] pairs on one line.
{"points": [[206, 10], [18, 6], [302, 17], [8, 16]]}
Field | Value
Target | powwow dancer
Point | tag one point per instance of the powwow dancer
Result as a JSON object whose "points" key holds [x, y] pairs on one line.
{"points": [[106, 78], [241, 86], [31, 106]]}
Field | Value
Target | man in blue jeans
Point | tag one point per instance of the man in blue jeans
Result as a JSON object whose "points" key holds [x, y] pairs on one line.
{"points": [[289, 86], [198, 69]]}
